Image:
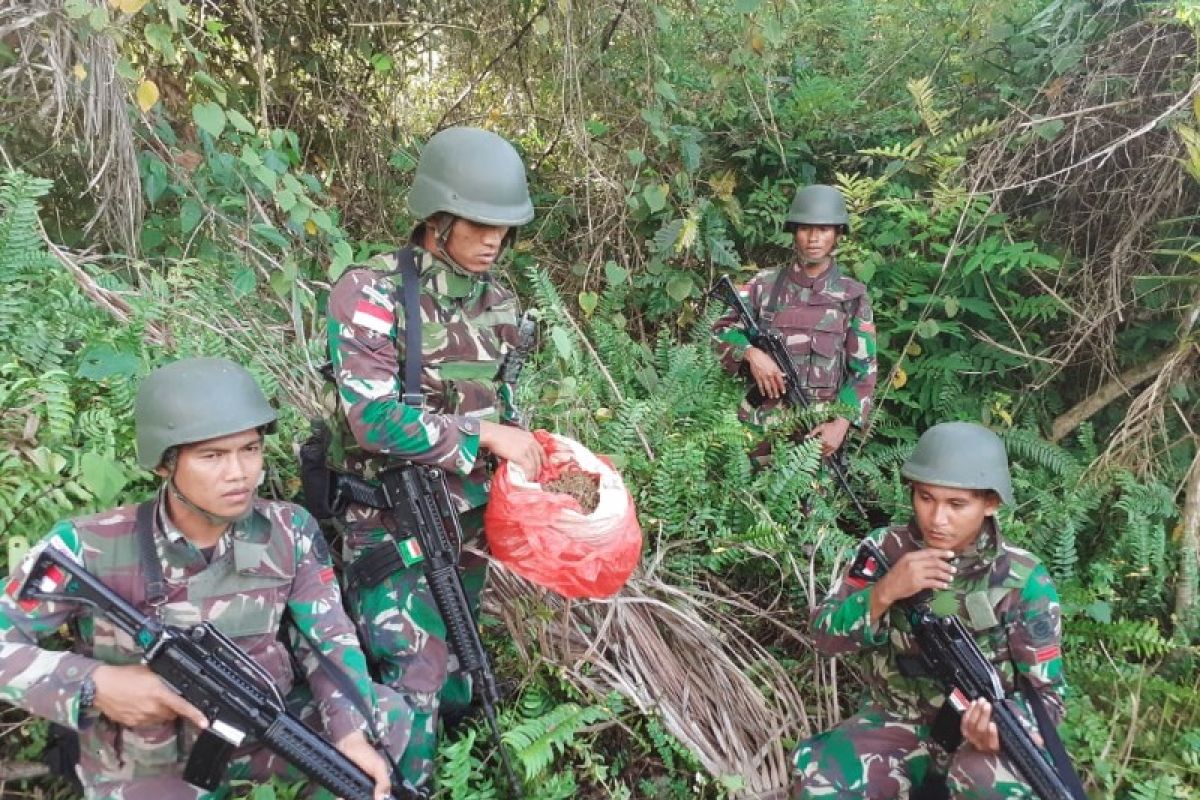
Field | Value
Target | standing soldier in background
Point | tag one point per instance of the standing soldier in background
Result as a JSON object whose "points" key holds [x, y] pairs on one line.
{"points": [[958, 477], [823, 315], [470, 195], [205, 549]]}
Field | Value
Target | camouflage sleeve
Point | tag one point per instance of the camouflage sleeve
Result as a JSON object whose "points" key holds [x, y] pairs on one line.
{"points": [[729, 339], [861, 368], [842, 622], [315, 604], [1035, 640], [45, 683], [364, 348]]}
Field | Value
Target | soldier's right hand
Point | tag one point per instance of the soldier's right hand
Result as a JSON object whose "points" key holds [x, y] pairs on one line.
{"points": [[766, 373], [913, 572], [513, 444], [133, 695]]}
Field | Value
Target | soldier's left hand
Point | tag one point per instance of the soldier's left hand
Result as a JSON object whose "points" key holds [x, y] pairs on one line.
{"points": [[832, 434], [355, 747]]}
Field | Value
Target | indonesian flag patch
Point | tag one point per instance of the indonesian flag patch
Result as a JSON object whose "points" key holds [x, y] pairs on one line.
{"points": [[372, 317], [410, 551], [327, 575]]}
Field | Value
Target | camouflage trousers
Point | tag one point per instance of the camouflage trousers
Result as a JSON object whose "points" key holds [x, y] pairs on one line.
{"points": [[878, 756], [405, 639], [251, 766]]}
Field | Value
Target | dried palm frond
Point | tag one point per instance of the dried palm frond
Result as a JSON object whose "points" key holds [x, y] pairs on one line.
{"points": [[675, 652], [70, 79]]}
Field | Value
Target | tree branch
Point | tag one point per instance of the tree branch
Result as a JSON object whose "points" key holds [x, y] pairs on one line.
{"points": [[1084, 410]]}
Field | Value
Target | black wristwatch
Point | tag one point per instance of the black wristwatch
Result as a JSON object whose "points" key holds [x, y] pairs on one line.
{"points": [[87, 694]]}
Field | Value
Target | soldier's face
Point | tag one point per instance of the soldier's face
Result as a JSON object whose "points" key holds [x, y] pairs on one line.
{"points": [[815, 243], [221, 475], [476, 247], [951, 518]]}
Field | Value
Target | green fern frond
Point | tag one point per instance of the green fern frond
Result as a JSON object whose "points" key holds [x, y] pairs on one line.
{"points": [[535, 742]]}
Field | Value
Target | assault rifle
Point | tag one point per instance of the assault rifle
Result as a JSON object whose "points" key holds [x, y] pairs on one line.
{"points": [[515, 358], [950, 655], [421, 505], [771, 343], [211, 672]]}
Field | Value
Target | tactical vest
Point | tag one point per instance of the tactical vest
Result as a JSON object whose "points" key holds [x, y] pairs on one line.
{"points": [[243, 593], [815, 330]]}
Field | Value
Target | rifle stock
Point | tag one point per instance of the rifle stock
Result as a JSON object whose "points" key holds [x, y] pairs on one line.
{"points": [[211, 672]]}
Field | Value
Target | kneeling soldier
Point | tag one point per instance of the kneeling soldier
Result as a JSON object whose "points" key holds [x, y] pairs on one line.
{"points": [[959, 476], [206, 548]]}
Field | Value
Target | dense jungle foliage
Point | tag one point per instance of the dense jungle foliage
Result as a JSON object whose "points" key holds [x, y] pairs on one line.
{"points": [[189, 178]]}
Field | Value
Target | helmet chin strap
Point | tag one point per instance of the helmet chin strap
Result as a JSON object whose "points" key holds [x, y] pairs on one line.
{"points": [[442, 236], [213, 519]]}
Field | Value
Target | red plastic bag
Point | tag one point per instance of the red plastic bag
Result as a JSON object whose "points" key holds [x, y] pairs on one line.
{"points": [[546, 537]]}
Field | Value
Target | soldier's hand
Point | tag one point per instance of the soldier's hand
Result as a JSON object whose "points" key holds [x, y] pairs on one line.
{"points": [[766, 373], [513, 444], [133, 695], [912, 573], [832, 434], [355, 747], [978, 729]]}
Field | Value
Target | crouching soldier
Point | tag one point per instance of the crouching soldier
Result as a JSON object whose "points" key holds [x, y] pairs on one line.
{"points": [[205, 548], [958, 476]]}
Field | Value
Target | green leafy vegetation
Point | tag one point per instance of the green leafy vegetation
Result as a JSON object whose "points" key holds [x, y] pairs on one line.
{"points": [[186, 179]]}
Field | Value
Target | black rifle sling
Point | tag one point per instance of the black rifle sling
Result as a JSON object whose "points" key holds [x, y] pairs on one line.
{"points": [[1054, 744], [152, 574], [210, 754], [410, 283]]}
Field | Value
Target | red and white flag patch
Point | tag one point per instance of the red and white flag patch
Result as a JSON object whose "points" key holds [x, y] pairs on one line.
{"points": [[372, 317]]}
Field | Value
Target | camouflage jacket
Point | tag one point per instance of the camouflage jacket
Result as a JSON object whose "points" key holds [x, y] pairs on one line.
{"points": [[829, 330], [1001, 593], [468, 323], [273, 562]]}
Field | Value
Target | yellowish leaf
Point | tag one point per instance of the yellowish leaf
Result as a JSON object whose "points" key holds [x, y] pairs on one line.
{"points": [[147, 95], [130, 7], [687, 235], [80, 72], [310, 227], [723, 185], [900, 378], [913, 349]]}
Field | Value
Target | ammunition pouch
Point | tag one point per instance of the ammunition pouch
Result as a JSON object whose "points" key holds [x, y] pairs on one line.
{"points": [[374, 566]]}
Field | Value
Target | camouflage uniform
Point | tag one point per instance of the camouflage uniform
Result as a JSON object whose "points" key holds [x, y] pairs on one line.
{"points": [[1006, 597], [467, 325], [829, 330], [273, 562]]}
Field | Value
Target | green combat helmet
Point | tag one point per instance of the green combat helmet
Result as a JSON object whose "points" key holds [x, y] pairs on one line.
{"points": [[194, 400], [818, 205], [961, 455], [473, 174]]}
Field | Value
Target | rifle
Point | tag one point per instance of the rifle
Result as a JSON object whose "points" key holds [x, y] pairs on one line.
{"points": [[949, 653], [515, 358], [421, 504], [211, 672], [771, 343]]}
